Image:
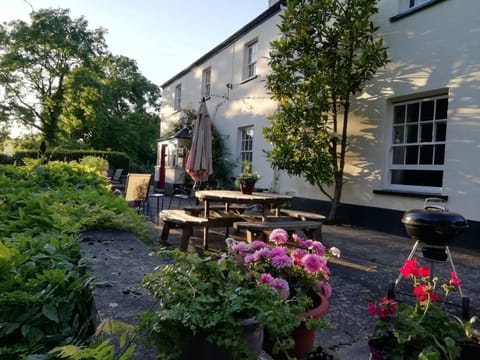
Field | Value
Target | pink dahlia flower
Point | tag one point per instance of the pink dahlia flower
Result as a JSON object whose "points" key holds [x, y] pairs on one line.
{"points": [[313, 263], [278, 236]]}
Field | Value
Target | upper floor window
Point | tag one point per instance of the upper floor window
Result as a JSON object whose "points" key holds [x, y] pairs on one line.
{"points": [[419, 132], [206, 82], [246, 144], [250, 59], [178, 97]]}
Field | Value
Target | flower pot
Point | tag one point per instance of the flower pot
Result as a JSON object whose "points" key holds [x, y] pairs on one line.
{"points": [[247, 188], [375, 348], [198, 347], [253, 334], [304, 338]]}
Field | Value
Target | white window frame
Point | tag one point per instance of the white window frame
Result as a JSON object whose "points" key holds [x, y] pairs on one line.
{"points": [[246, 136], [251, 57], [177, 102], [206, 82], [401, 139]]}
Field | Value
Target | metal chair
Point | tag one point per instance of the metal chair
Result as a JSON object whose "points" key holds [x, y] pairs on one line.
{"points": [[182, 194]]}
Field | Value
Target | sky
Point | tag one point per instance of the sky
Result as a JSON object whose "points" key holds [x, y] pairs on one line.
{"points": [[162, 36]]}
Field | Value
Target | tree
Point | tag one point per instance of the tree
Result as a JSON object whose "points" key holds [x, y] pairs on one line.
{"points": [[59, 77], [35, 61], [108, 104], [325, 55]]}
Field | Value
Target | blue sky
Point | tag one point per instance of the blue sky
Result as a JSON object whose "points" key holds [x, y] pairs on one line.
{"points": [[162, 36]]}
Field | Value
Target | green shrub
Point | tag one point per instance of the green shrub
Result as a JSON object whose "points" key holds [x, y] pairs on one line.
{"points": [[45, 296]]}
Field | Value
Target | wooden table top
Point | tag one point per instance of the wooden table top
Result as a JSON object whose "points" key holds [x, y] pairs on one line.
{"points": [[239, 197]]}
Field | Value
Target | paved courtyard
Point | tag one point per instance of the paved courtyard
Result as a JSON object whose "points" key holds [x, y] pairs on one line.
{"points": [[370, 261]]}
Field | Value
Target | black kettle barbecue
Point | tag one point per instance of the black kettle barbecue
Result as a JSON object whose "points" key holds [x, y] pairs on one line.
{"points": [[436, 227]]}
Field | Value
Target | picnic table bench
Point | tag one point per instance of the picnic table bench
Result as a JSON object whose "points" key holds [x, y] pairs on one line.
{"points": [[172, 218], [313, 229], [303, 215]]}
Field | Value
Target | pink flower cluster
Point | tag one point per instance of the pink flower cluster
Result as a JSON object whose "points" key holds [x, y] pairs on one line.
{"points": [[283, 269]]}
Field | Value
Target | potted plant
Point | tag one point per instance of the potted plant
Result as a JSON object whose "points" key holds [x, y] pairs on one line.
{"points": [[300, 274], [424, 330], [206, 309], [247, 179]]}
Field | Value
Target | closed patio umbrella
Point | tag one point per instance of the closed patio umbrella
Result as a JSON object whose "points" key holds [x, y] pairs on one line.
{"points": [[199, 161]]}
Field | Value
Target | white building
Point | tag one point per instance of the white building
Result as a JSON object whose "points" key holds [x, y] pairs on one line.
{"points": [[414, 131]]}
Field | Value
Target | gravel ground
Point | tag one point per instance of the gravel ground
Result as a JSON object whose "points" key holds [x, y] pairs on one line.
{"points": [[370, 262]]}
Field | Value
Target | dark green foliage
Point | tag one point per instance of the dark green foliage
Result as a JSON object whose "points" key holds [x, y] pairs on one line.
{"points": [[222, 166], [116, 160], [45, 295], [327, 53]]}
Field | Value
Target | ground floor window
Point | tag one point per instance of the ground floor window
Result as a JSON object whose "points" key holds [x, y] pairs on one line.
{"points": [[418, 136], [246, 144]]}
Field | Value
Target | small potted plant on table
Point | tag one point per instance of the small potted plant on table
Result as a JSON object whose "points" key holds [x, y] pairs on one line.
{"points": [[248, 178]]}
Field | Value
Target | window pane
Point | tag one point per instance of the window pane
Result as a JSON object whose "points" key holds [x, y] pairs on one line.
{"points": [[398, 135], [427, 110], [439, 154], [442, 107], [412, 133], [441, 131], [418, 141], [399, 155], [417, 177], [412, 112], [426, 154], [399, 114], [411, 155], [426, 132]]}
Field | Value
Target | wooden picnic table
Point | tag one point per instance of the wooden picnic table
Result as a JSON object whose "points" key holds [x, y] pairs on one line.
{"points": [[227, 197]]}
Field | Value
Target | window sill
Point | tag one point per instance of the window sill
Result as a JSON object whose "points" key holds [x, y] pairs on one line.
{"points": [[421, 195], [414, 10], [248, 79]]}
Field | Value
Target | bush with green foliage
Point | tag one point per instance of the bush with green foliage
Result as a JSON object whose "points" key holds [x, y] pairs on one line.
{"points": [[45, 295], [95, 162]]}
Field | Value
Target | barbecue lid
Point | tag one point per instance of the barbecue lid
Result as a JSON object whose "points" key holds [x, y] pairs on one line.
{"points": [[434, 214]]}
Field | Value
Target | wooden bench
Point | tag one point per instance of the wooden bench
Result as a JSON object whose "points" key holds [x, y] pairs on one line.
{"points": [[180, 219], [302, 215], [313, 229], [172, 218]]}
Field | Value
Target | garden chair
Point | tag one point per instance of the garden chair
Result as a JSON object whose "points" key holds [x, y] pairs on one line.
{"points": [[137, 188], [116, 176]]}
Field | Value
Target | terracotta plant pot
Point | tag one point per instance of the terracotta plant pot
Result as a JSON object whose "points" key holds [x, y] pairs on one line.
{"points": [[247, 188], [304, 338]]}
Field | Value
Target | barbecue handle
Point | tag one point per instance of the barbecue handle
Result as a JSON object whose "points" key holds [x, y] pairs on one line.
{"points": [[435, 203]]}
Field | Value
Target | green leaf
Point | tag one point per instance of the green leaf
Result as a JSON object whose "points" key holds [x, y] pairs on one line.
{"points": [[50, 312], [4, 252]]}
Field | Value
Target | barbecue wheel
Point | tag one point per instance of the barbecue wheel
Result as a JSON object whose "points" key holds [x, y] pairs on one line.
{"points": [[391, 290]]}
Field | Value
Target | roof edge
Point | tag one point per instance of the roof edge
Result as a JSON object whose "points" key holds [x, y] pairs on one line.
{"points": [[267, 14]]}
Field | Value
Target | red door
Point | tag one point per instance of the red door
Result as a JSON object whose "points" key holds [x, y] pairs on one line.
{"points": [[161, 178]]}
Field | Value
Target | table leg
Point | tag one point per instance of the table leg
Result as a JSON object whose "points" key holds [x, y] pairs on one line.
{"points": [[206, 213]]}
